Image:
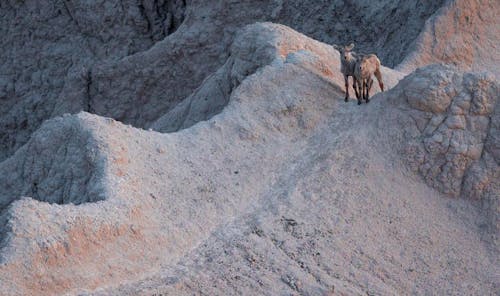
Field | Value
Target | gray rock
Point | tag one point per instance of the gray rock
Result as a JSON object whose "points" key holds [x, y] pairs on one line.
{"points": [[121, 59], [456, 138]]}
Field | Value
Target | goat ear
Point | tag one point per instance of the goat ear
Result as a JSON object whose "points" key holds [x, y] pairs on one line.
{"points": [[335, 46], [350, 46]]}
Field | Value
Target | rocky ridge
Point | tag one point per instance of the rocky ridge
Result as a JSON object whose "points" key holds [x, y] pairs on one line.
{"points": [[269, 181]]}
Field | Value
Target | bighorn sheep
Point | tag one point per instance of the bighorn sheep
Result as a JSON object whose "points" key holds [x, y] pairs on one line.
{"points": [[348, 60], [365, 68]]}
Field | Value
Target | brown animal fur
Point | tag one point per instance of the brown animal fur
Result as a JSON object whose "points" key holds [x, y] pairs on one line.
{"points": [[365, 68]]}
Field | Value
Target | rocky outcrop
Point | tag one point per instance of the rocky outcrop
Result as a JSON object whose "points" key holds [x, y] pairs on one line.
{"points": [[387, 28], [122, 59], [108, 201], [60, 164], [462, 33], [244, 59], [286, 173], [257, 176], [63, 209], [132, 90], [49, 48], [453, 116], [451, 132]]}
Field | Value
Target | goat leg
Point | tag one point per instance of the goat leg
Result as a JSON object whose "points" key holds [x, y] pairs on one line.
{"points": [[346, 79], [370, 84], [378, 74], [362, 91], [355, 87]]}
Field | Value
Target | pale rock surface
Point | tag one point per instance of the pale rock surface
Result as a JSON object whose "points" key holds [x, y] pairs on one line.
{"points": [[286, 190], [254, 47], [462, 33], [269, 183], [451, 133]]}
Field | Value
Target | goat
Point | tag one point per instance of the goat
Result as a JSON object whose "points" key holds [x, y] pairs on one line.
{"points": [[365, 68], [348, 60]]}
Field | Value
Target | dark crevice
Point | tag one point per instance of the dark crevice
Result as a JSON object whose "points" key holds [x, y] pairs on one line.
{"points": [[71, 16], [162, 17], [89, 96], [34, 191], [142, 11]]}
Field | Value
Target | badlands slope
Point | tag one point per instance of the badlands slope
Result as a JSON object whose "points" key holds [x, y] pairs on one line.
{"points": [[134, 61], [256, 177]]}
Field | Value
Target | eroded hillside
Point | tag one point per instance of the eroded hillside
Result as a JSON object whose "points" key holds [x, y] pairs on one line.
{"points": [[120, 59], [254, 175]]}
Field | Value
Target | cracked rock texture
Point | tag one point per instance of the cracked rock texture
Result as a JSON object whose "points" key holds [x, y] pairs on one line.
{"points": [[451, 132]]}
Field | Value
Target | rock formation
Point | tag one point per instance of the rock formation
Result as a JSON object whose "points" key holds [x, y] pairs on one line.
{"points": [[253, 176], [451, 132], [113, 60]]}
